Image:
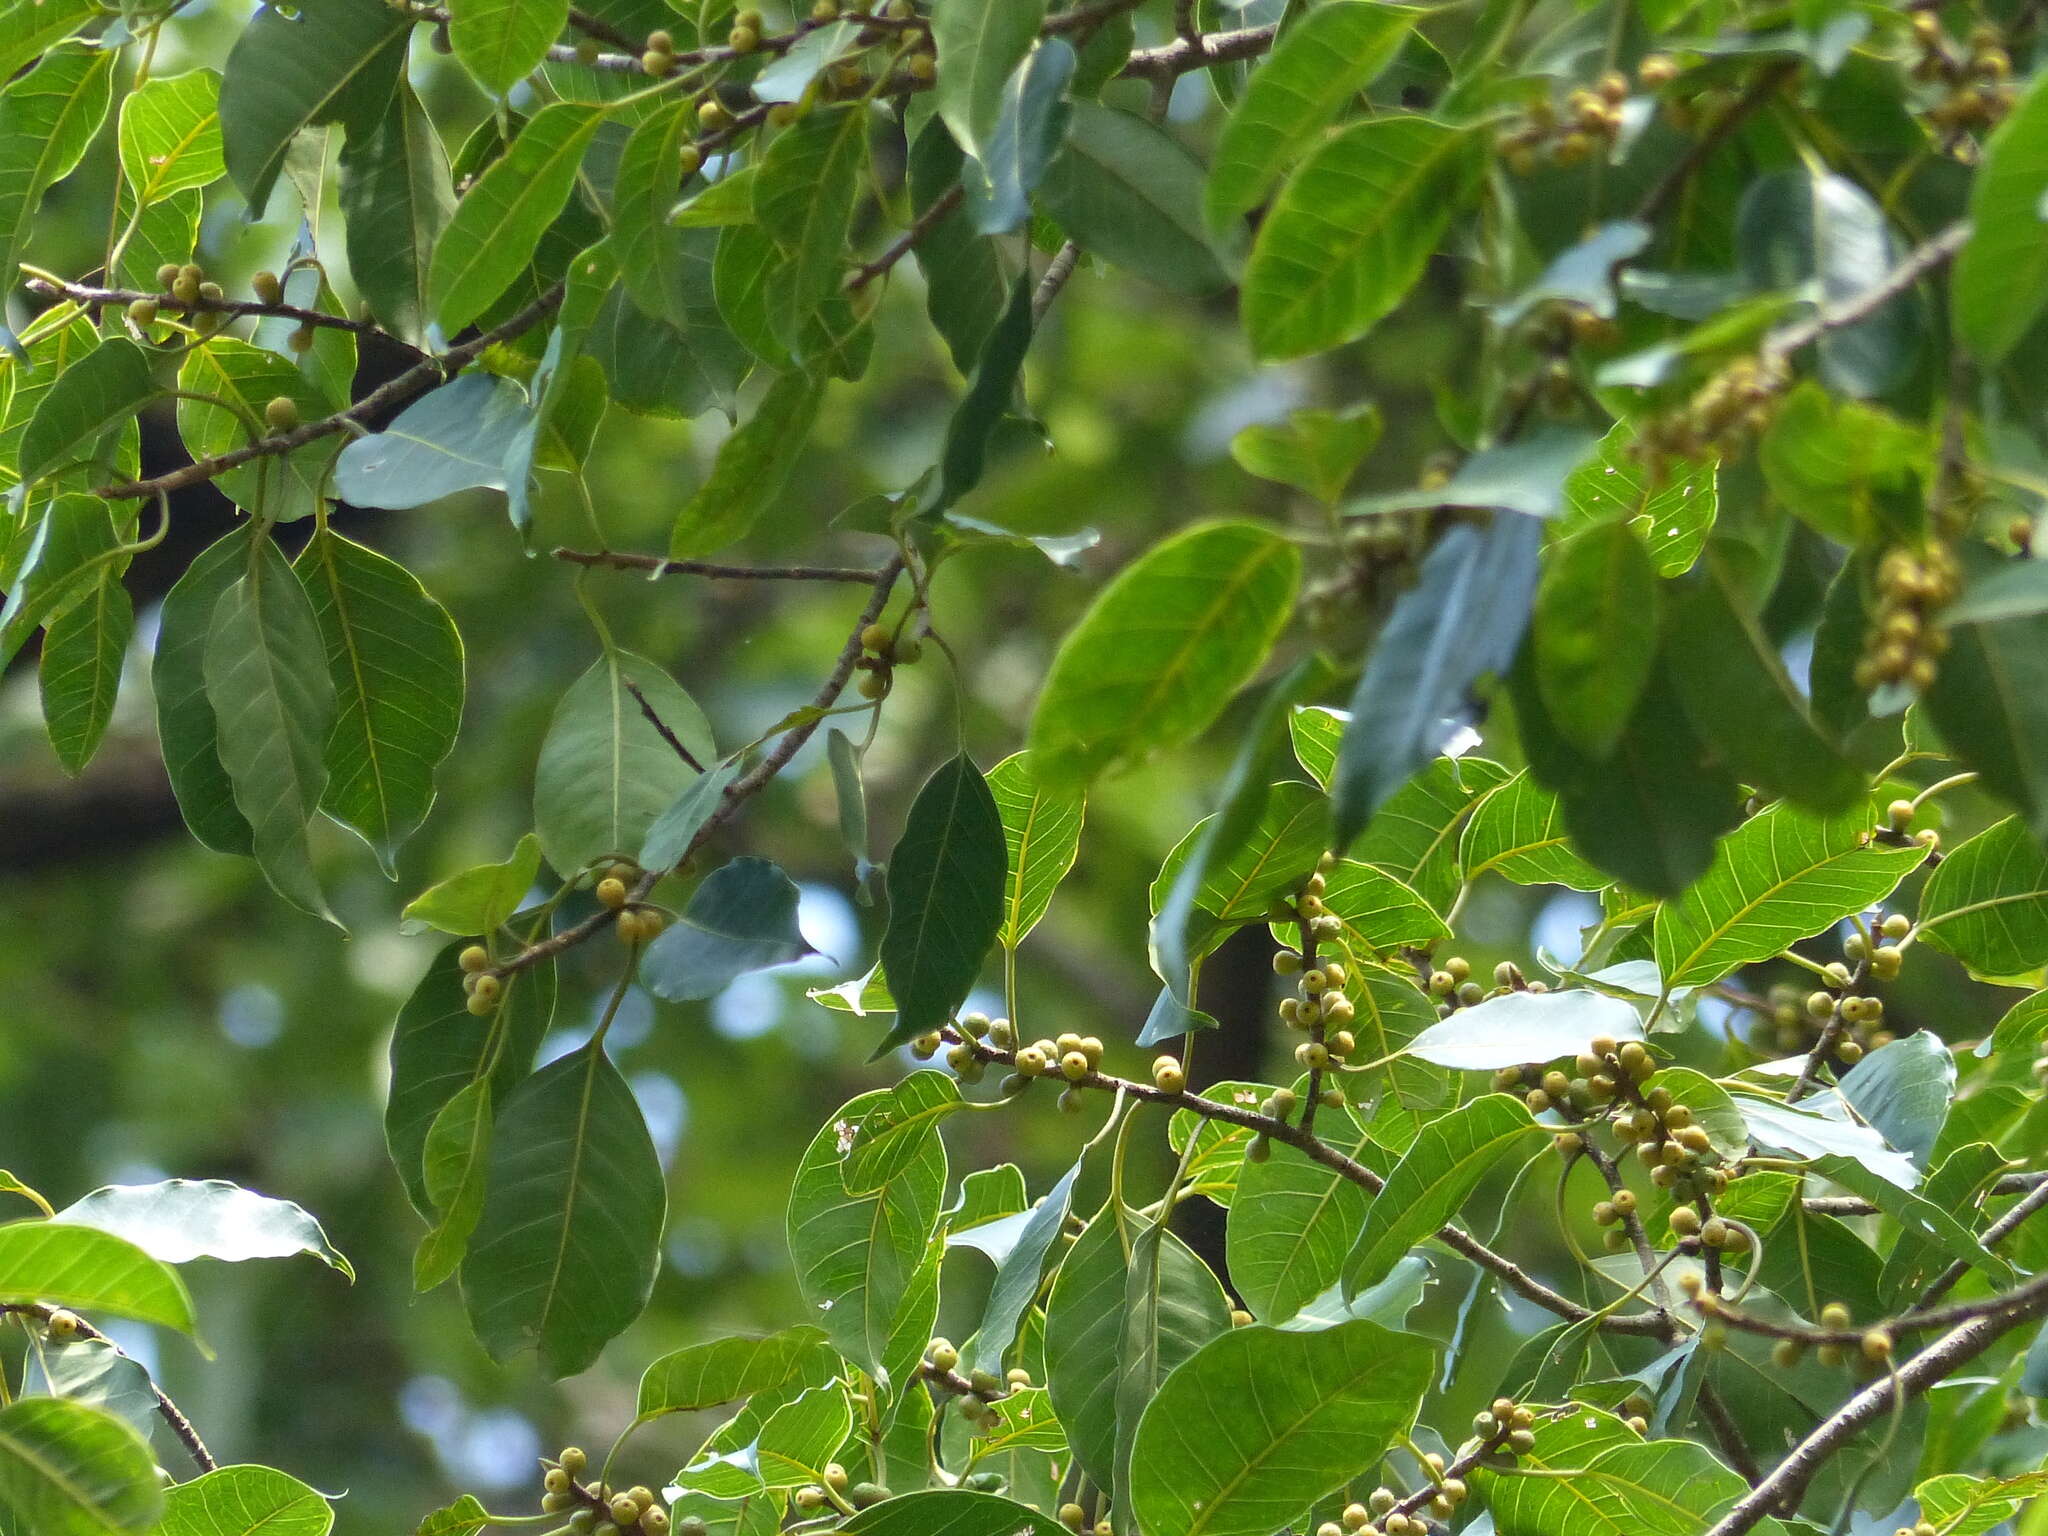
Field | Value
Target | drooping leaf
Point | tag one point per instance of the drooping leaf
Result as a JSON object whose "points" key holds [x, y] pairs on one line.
{"points": [[245, 1500], [1987, 903], [979, 44], [1781, 876], [1819, 1126], [676, 828], [337, 61], [1042, 832], [1904, 1089], [1519, 1027], [396, 199], [84, 650], [605, 774], [990, 393], [1284, 1418], [1349, 233], [180, 1220], [965, 284], [725, 1370], [1672, 516], [1030, 128], [47, 119], [93, 1372], [1441, 1167], [1999, 277], [94, 1271], [564, 1255], [70, 1470], [1320, 63], [1594, 630], [100, 392], [453, 439], [453, 1164], [741, 919], [1163, 648], [1020, 1273], [501, 42], [808, 180], [479, 898], [753, 466], [185, 722], [274, 703], [946, 880], [1463, 619], [1129, 193]]}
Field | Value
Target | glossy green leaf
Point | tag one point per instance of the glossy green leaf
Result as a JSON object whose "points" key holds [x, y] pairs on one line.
{"points": [[809, 179], [245, 1501], [1042, 832], [1672, 515], [1439, 1170], [741, 919], [47, 120], [1020, 1273], [950, 1512], [245, 378], [965, 284], [1130, 194], [1312, 450], [170, 135], [95, 1373], [946, 884], [28, 27], [2001, 276], [70, 1470], [438, 1049], [274, 701], [84, 650], [1832, 463], [1245, 1436], [396, 665], [753, 466], [1655, 1488], [1522, 1027], [1903, 1089], [501, 42], [1030, 128], [604, 773], [501, 218], [1518, 832], [992, 390], [1349, 233], [451, 440], [1273, 853], [676, 829], [337, 61], [180, 1220], [462, 1518], [1966, 1506], [479, 898], [979, 43], [101, 391], [396, 199], [93, 1271], [185, 720], [452, 1165], [1291, 1223], [1415, 835], [1781, 876], [1594, 630], [1163, 648], [564, 1255], [724, 1370], [1985, 703], [1463, 619], [861, 1260], [650, 249], [1319, 64]]}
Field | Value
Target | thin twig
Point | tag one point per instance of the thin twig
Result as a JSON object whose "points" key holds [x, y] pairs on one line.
{"points": [[661, 726], [903, 244], [1918, 263], [1186, 54], [1057, 271], [1943, 1283], [1762, 89], [166, 1410], [234, 309], [656, 565]]}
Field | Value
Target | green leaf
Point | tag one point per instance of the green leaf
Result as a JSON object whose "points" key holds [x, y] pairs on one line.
{"points": [[170, 135], [2001, 275], [245, 1501], [70, 1470], [1414, 836], [1921, 1218], [753, 466], [1350, 232], [84, 650], [1085, 1323], [990, 394], [1594, 630], [1904, 1089], [1967, 1506], [604, 773], [462, 1518], [1378, 913], [1439, 1170], [1273, 850], [48, 118], [93, 1372], [861, 1260], [396, 199], [334, 61], [1319, 64], [1020, 1273], [1780, 877], [499, 222], [180, 1220], [2023, 1028], [741, 919], [1030, 129], [1283, 1419], [950, 1512], [805, 189], [1736, 689], [1312, 450], [946, 881], [185, 722], [1987, 903], [725, 1370], [1127, 192], [1519, 1027], [1658, 1488], [451, 440], [1985, 702], [676, 829], [564, 1256], [501, 42], [396, 665], [94, 1271], [979, 43], [965, 285], [28, 27], [452, 1165], [267, 679], [1518, 832], [1042, 833], [1163, 648], [438, 1049], [1806, 1130], [249, 377], [479, 898], [101, 391], [650, 250], [1464, 618], [1291, 1223], [1833, 463], [1672, 515]]}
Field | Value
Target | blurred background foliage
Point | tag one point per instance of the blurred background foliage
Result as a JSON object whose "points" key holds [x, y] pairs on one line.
{"points": [[162, 1013]]}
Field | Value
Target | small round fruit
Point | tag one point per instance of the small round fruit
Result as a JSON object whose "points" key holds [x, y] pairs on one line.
{"points": [[611, 892], [628, 927], [1074, 1066], [624, 1510], [281, 413], [63, 1323], [876, 638], [142, 313], [473, 959], [1168, 1075], [267, 288], [167, 274], [942, 1355], [556, 1480], [572, 1460], [873, 685]]}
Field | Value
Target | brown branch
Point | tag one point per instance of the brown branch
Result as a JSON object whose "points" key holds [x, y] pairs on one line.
{"points": [[166, 1410], [1786, 1485], [233, 309], [661, 726], [1943, 1283], [1856, 1205], [1187, 54], [902, 245], [416, 380], [1918, 263], [656, 565], [1057, 271], [1761, 89]]}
